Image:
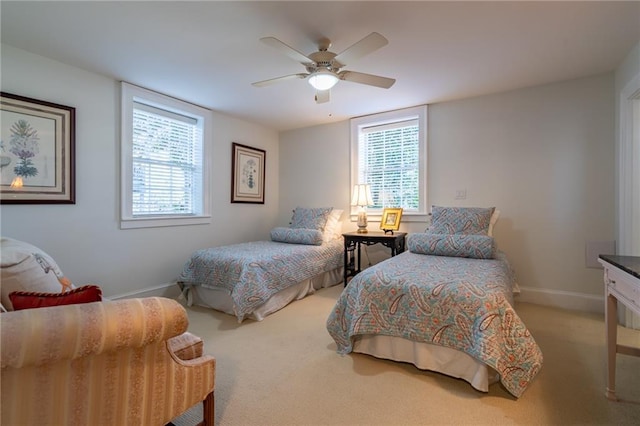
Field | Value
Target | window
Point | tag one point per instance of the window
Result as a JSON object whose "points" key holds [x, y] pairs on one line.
{"points": [[164, 167], [389, 152]]}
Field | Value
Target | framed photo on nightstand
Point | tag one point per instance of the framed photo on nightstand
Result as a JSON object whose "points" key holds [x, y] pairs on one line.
{"points": [[391, 219]]}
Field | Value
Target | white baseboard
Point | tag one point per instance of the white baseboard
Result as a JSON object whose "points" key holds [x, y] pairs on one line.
{"points": [[562, 299], [556, 298], [170, 290]]}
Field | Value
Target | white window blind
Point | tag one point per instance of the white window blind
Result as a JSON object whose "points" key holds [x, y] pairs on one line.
{"points": [[167, 163], [388, 161]]}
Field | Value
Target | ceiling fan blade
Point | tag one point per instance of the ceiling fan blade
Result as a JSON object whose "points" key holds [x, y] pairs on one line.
{"points": [[373, 41], [371, 80], [323, 96], [278, 80], [287, 50]]}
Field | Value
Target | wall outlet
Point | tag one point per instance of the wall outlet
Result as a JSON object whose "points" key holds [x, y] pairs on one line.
{"points": [[461, 194]]}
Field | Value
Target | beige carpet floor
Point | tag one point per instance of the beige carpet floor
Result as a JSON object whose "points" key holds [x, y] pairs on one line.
{"points": [[285, 371]]}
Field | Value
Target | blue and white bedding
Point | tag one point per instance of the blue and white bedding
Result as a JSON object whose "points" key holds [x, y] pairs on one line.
{"points": [[251, 273], [460, 303]]}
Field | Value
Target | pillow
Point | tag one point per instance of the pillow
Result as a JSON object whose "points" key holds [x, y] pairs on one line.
{"points": [[460, 220], [29, 300], [25, 267], [453, 245], [492, 222], [333, 228], [310, 218], [311, 237]]}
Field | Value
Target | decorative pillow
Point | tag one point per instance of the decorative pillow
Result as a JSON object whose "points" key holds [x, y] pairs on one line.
{"points": [[310, 218], [312, 237], [453, 245], [28, 300], [25, 267], [333, 228], [460, 220], [492, 222]]}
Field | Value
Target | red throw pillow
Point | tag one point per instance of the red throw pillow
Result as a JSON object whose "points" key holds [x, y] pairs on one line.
{"points": [[28, 300]]}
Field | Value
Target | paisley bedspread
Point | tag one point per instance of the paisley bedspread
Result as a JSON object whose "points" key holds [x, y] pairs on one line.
{"points": [[253, 272], [460, 303]]}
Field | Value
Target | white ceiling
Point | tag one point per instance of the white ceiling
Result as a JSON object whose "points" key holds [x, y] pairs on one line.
{"points": [[209, 52]]}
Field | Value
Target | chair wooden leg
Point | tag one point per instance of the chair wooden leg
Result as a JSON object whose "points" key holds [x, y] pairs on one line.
{"points": [[209, 411]]}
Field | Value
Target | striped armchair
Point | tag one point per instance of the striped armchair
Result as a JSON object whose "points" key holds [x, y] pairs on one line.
{"points": [[125, 362]]}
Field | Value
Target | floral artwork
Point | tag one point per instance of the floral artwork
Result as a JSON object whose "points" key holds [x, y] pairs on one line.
{"points": [[248, 171], [37, 147], [24, 145]]}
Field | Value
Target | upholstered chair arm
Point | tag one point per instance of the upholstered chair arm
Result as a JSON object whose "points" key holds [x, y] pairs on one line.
{"points": [[35, 337], [186, 346]]}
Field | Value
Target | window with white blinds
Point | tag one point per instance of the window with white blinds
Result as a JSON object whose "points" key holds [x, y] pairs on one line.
{"points": [[167, 163], [388, 161], [389, 153], [163, 161]]}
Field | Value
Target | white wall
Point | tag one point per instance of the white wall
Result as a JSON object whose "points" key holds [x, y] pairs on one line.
{"points": [[627, 85], [627, 89], [544, 156], [85, 238]]}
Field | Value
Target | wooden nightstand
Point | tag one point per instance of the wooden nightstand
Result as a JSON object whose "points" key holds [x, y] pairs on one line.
{"points": [[352, 241]]}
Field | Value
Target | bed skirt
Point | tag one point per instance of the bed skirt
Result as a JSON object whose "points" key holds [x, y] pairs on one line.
{"points": [[427, 356], [220, 299]]}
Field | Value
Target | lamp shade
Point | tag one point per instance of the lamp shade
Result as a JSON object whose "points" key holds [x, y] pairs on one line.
{"points": [[323, 79], [361, 195]]}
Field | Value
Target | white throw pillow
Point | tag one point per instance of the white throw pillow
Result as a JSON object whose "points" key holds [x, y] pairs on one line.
{"points": [[333, 227], [492, 221], [25, 267]]}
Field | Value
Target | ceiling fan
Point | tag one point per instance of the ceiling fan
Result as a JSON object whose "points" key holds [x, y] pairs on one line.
{"points": [[323, 67]]}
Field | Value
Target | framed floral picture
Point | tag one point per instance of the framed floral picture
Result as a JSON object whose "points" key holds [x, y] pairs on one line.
{"points": [[391, 219], [37, 151], [247, 174]]}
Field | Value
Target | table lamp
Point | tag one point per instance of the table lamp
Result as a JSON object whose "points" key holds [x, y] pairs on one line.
{"points": [[362, 198]]}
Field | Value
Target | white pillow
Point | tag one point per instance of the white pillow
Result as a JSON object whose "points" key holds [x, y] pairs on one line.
{"points": [[333, 227], [25, 267], [492, 221]]}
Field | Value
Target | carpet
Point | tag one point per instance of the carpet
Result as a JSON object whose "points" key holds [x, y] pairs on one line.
{"points": [[284, 370]]}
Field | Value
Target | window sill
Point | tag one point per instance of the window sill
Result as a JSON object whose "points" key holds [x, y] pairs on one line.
{"points": [[156, 222]]}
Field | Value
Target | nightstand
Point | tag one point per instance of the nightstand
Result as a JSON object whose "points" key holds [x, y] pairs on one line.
{"points": [[353, 240]]}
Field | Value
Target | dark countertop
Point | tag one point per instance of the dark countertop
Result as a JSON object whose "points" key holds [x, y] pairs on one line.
{"points": [[629, 264]]}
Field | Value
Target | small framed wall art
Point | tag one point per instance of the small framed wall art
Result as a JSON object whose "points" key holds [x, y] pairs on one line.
{"points": [[247, 174], [391, 219], [37, 151]]}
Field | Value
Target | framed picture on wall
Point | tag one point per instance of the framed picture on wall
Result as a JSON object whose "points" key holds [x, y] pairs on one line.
{"points": [[247, 174], [391, 219], [37, 151]]}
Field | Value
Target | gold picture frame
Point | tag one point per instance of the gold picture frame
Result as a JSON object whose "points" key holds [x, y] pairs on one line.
{"points": [[391, 219]]}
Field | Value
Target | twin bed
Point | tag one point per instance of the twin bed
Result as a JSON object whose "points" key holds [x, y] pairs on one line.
{"points": [[444, 305], [255, 279]]}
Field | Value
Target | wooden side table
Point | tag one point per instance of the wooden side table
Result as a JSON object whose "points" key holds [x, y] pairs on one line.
{"points": [[353, 240], [622, 284]]}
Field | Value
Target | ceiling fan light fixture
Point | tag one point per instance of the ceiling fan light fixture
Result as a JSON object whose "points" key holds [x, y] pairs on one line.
{"points": [[323, 79]]}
